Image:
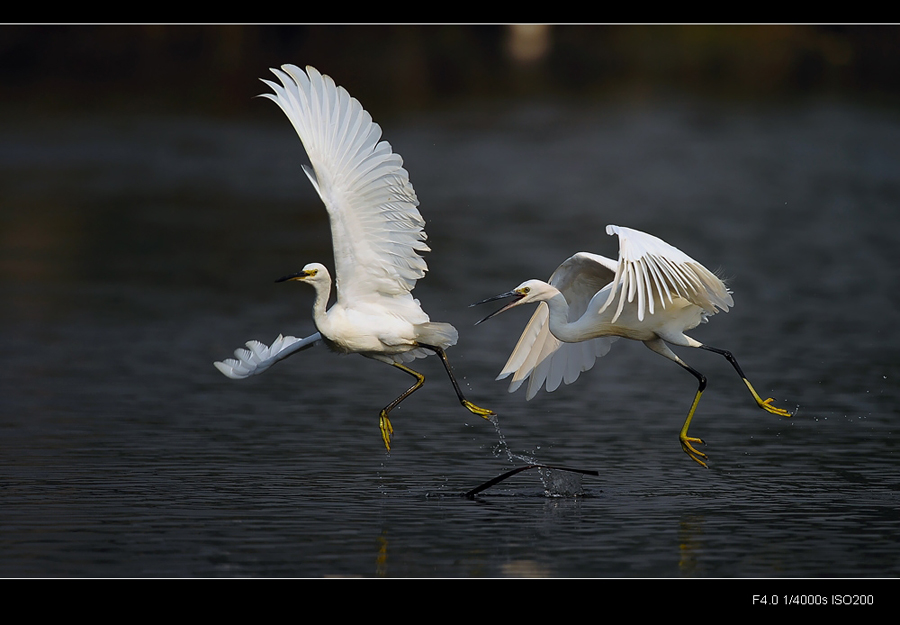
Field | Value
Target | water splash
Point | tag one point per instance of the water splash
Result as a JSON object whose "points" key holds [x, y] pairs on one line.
{"points": [[502, 447], [557, 481], [561, 483]]}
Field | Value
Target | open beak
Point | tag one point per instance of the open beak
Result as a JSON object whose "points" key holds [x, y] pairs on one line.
{"points": [[300, 275], [513, 303]]}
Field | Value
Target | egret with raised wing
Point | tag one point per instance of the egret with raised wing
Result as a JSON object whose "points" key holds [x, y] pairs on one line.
{"points": [[377, 233], [654, 293]]}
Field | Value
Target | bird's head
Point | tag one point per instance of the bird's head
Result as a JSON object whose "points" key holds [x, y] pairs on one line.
{"points": [[528, 292], [313, 273]]}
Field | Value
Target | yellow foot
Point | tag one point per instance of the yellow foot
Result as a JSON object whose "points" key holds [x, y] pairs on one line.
{"points": [[481, 412], [766, 405], [386, 430], [693, 453]]}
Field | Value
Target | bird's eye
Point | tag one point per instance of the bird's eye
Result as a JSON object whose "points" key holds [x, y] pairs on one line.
{"points": [[526, 290], [312, 272]]}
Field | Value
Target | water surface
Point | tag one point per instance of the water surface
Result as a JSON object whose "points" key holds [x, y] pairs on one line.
{"points": [[136, 250]]}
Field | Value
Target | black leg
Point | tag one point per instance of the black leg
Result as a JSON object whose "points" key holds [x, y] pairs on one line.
{"points": [[481, 412], [765, 405]]}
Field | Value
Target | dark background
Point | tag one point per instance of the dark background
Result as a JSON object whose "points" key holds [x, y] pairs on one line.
{"points": [[400, 66]]}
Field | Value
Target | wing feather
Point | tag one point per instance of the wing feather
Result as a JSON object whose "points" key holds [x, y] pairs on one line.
{"points": [[645, 261], [376, 227]]}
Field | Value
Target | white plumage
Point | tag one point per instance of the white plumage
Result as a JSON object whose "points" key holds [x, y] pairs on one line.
{"points": [[257, 357], [653, 293], [377, 233], [539, 356]]}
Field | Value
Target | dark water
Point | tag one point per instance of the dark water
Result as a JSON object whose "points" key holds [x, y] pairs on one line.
{"points": [[136, 251]]}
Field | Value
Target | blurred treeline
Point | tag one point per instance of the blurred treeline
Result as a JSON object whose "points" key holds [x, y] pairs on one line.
{"points": [[213, 68]]}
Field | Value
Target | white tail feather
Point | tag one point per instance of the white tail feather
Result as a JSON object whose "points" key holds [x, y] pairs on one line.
{"points": [[258, 356]]}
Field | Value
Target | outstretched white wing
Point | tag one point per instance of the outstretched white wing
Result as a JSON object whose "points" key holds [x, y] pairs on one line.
{"points": [[649, 266], [376, 227], [258, 357], [539, 356]]}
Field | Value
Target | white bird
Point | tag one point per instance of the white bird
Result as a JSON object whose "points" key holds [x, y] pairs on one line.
{"points": [[377, 233], [662, 293]]}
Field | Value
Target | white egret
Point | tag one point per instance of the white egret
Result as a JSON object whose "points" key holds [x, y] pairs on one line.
{"points": [[662, 293], [377, 233]]}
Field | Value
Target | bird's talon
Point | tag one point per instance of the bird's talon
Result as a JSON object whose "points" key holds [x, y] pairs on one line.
{"points": [[767, 406], [698, 461], [386, 430], [687, 440], [693, 453], [481, 412]]}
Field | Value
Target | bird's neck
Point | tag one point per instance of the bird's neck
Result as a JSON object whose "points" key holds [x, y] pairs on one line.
{"points": [[320, 305], [572, 331], [559, 319]]}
